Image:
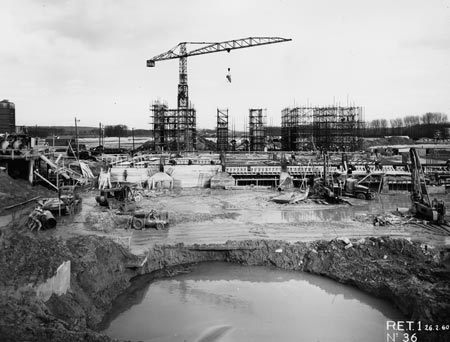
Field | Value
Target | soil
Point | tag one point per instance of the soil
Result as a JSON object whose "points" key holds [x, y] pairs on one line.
{"points": [[413, 277], [14, 191], [412, 273]]}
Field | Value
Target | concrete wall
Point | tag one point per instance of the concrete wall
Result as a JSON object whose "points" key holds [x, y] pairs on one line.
{"points": [[192, 176], [185, 176], [58, 284], [134, 174]]}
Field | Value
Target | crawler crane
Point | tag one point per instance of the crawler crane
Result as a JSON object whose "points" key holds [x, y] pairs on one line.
{"points": [[433, 211]]}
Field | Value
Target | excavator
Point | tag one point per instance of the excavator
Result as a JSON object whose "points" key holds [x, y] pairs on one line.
{"points": [[423, 207]]}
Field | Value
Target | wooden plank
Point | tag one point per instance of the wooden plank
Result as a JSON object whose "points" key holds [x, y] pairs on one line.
{"points": [[21, 203], [438, 228], [433, 229], [45, 180], [445, 228]]}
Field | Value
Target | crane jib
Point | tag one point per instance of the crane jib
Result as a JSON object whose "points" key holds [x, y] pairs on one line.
{"points": [[215, 47]]}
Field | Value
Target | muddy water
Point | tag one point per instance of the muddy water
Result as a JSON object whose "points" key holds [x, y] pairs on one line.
{"points": [[225, 302], [254, 216], [295, 213]]}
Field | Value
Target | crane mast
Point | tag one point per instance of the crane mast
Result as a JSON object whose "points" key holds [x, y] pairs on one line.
{"points": [[180, 51], [182, 84]]}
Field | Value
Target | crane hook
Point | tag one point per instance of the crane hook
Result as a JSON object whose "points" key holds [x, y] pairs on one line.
{"points": [[229, 75]]}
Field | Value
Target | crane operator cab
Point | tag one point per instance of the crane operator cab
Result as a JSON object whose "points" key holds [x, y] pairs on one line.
{"points": [[229, 75]]}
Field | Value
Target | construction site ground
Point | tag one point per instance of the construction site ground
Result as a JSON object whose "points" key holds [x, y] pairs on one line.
{"points": [[215, 216], [404, 263]]}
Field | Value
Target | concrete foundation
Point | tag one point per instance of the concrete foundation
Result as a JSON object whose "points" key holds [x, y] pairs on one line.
{"points": [[59, 284]]}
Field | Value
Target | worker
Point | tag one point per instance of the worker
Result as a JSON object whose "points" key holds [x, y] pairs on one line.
{"points": [[125, 175], [378, 165], [350, 170], [34, 221]]}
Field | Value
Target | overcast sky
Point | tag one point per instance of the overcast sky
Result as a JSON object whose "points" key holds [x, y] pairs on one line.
{"points": [[86, 58]]}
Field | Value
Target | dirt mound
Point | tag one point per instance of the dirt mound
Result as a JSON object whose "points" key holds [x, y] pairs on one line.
{"points": [[13, 191], [98, 275]]}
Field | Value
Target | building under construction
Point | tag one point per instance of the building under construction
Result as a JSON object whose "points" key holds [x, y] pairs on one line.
{"points": [[257, 129], [173, 129], [297, 128], [222, 130], [326, 128]]}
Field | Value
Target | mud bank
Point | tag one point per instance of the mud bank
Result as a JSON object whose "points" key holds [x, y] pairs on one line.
{"points": [[414, 279]]}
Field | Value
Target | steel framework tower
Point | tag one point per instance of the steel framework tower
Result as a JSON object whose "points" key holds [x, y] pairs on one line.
{"points": [[332, 128], [222, 130], [257, 129]]}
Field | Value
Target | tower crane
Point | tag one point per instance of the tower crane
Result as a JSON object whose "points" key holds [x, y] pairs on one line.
{"points": [[180, 51]]}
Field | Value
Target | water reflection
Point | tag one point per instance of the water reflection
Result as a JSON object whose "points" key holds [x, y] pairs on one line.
{"points": [[307, 213], [259, 303]]}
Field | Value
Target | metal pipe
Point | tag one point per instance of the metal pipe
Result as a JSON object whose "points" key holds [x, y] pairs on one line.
{"points": [[48, 220], [76, 136]]}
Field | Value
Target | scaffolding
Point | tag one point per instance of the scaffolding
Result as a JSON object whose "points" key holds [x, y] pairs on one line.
{"points": [[173, 129], [222, 130], [297, 128], [331, 128], [257, 129]]}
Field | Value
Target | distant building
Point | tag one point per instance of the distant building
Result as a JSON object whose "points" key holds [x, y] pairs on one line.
{"points": [[7, 117]]}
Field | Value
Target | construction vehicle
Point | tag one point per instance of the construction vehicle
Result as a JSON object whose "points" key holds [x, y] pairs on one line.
{"points": [[422, 206], [327, 186], [67, 201], [353, 188], [122, 193], [152, 219]]}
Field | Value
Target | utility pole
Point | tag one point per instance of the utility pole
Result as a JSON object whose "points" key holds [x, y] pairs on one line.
{"points": [[132, 133], [76, 136], [99, 133]]}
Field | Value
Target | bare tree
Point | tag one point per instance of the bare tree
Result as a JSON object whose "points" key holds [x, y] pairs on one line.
{"points": [[433, 118], [411, 120], [376, 124], [396, 123]]}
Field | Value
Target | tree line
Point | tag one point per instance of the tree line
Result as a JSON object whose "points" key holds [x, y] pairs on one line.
{"points": [[429, 125], [108, 131]]}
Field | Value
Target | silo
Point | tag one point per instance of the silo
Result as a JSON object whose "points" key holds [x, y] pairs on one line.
{"points": [[7, 117]]}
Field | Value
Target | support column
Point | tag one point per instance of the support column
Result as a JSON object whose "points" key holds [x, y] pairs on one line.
{"points": [[31, 172]]}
